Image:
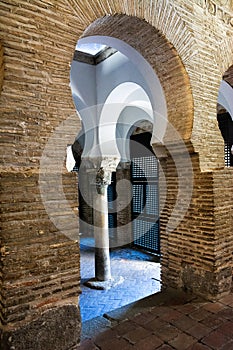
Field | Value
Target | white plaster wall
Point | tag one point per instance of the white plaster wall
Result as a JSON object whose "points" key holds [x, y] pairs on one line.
{"points": [[83, 87], [225, 97], [92, 87], [114, 71], [83, 84]]}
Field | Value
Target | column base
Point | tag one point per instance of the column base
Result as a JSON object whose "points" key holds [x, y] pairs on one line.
{"points": [[57, 328], [103, 285], [207, 284]]}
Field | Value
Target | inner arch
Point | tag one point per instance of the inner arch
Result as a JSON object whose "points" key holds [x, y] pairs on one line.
{"points": [[144, 76], [126, 105], [161, 60], [225, 97]]}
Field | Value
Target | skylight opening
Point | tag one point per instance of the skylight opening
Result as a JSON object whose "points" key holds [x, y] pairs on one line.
{"points": [[92, 49]]}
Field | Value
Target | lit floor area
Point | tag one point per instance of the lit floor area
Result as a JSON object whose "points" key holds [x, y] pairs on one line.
{"points": [[136, 273]]}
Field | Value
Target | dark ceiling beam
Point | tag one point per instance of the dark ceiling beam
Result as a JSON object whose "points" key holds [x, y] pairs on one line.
{"points": [[93, 60]]}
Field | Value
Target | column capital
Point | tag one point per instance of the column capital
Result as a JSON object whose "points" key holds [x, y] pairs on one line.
{"points": [[100, 171], [103, 177], [104, 173], [108, 163]]}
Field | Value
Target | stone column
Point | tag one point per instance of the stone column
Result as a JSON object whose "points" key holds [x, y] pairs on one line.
{"points": [[103, 278], [102, 257]]}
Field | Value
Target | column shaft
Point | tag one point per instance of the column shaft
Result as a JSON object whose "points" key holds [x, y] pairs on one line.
{"points": [[102, 256]]}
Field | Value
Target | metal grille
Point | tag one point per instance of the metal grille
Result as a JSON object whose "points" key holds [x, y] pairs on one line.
{"points": [[112, 219], [145, 204], [137, 198], [150, 239], [228, 156], [145, 167]]}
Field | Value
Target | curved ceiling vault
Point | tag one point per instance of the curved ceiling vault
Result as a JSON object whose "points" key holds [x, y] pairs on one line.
{"points": [[121, 99], [225, 97]]}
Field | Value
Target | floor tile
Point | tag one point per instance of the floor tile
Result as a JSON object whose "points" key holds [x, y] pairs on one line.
{"points": [[139, 271], [182, 342], [199, 331], [216, 340]]}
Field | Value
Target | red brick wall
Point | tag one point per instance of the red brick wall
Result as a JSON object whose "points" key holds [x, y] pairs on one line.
{"points": [[39, 263]]}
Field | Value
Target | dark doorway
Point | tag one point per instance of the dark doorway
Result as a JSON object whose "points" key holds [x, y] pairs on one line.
{"points": [[112, 210], [145, 201], [225, 123]]}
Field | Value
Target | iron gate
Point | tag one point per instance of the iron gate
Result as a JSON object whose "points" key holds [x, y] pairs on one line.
{"points": [[145, 203], [228, 155]]}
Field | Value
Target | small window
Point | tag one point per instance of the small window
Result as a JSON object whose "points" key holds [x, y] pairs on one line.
{"points": [[92, 53], [92, 49]]}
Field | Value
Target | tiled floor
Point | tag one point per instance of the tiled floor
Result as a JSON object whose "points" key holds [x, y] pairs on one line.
{"points": [[176, 323], [137, 273], [167, 320]]}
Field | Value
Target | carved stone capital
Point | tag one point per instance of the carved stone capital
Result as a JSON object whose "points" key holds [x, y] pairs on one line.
{"points": [[104, 173], [103, 177], [110, 164]]}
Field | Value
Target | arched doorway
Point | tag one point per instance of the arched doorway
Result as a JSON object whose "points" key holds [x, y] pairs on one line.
{"points": [[50, 60], [125, 102], [225, 115], [121, 93], [145, 199]]}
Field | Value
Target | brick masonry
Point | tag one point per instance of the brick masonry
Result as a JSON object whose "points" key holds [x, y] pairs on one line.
{"points": [[1, 66], [189, 45]]}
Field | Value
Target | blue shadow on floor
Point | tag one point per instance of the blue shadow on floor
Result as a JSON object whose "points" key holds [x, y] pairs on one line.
{"points": [[137, 271]]}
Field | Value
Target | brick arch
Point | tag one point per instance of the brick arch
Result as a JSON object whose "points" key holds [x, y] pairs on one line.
{"points": [[224, 55], [160, 14], [228, 75], [1, 67], [39, 39], [172, 21], [168, 66], [163, 58]]}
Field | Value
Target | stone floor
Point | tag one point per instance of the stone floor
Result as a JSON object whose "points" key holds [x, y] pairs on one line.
{"points": [[168, 320], [136, 274], [165, 320]]}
